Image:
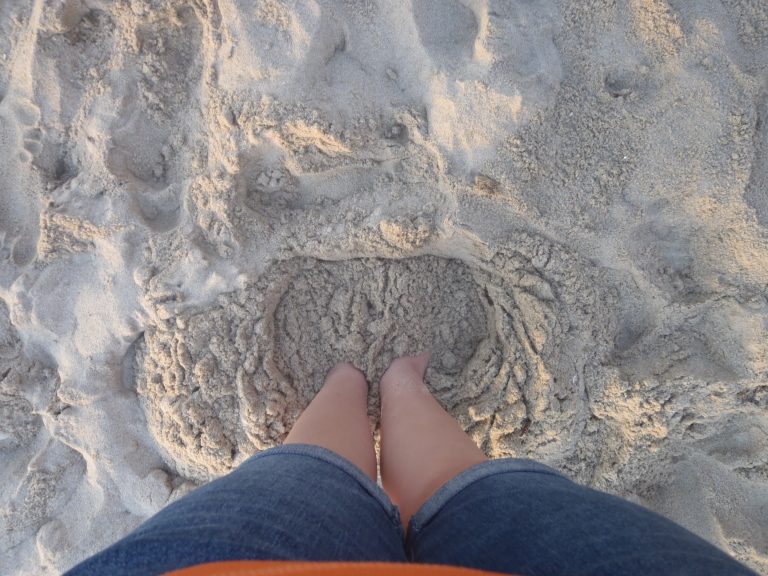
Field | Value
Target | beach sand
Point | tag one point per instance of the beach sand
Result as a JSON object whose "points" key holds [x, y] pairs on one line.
{"points": [[205, 205]]}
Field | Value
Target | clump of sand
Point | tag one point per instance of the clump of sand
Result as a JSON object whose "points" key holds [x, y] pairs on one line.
{"points": [[220, 383], [205, 205]]}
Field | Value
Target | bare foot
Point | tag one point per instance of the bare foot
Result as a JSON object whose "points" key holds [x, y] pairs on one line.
{"points": [[422, 446], [406, 373], [337, 419]]}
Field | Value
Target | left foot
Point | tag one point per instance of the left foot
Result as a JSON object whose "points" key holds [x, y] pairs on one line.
{"points": [[345, 372]]}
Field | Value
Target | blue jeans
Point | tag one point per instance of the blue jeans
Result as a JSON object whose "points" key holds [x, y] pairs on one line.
{"points": [[302, 502]]}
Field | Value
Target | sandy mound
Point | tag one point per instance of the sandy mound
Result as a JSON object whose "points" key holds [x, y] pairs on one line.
{"points": [[204, 205], [218, 384], [238, 374]]}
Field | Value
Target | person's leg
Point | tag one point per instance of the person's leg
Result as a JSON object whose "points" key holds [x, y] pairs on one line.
{"points": [[293, 502], [518, 516], [511, 515], [337, 419], [422, 446]]}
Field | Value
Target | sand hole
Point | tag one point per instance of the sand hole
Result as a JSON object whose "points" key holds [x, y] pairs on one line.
{"points": [[370, 311], [220, 383]]}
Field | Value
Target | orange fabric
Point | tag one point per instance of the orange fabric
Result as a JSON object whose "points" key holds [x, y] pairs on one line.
{"points": [[286, 568]]}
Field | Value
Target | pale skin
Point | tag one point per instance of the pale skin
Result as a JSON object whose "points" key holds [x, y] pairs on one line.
{"points": [[422, 446]]}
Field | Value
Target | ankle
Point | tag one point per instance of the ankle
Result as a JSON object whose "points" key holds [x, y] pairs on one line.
{"points": [[346, 374], [401, 381]]}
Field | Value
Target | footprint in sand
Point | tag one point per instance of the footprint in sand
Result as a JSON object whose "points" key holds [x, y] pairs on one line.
{"points": [[502, 60], [266, 185], [19, 142], [169, 61], [513, 40], [76, 46], [755, 194], [448, 30], [519, 41], [27, 390], [509, 357], [147, 172], [716, 486], [147, 142]]}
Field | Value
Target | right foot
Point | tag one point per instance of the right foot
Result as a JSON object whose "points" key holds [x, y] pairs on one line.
{"points": [[406, 372]]}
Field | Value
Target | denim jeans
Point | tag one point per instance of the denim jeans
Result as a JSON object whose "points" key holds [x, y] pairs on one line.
{"points": [[302, 502]]}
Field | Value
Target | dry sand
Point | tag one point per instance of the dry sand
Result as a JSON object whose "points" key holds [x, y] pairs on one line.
{"points": [[204, 205]]}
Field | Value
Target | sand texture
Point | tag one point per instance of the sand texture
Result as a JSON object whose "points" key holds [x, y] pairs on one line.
{"points": [[204, 205]]}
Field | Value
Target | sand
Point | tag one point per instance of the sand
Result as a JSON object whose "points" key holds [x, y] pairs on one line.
{"points": [[204, 205]]}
